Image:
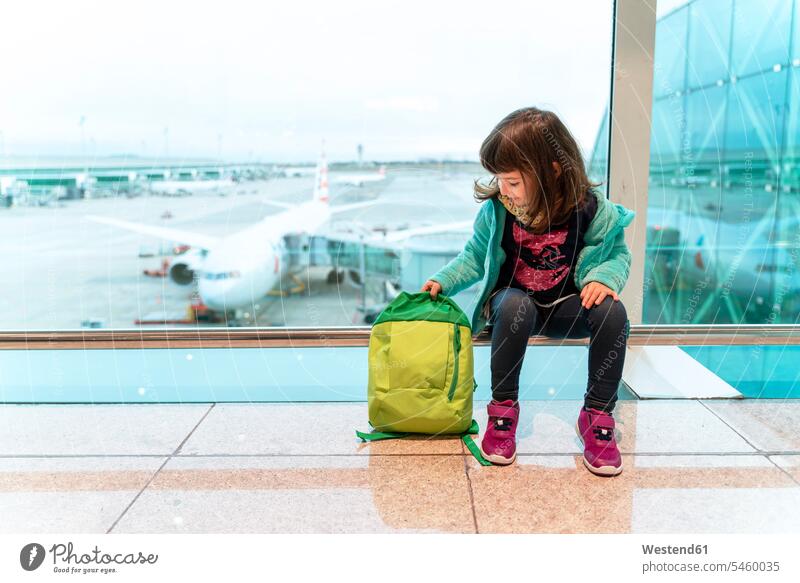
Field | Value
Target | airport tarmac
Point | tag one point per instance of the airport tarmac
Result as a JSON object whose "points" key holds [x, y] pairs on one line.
{"points": [[61, 269]]}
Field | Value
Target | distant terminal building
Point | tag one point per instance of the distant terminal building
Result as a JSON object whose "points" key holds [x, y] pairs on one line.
{"points": [[34, 182]]}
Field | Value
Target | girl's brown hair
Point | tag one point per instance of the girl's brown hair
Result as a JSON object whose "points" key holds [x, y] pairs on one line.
{"points": [[529, 140]]}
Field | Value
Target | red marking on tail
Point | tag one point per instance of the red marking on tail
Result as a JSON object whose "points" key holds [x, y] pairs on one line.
{"points": [[698, 260]]}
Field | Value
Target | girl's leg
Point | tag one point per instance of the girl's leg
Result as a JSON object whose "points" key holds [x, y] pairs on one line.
{"points": [[608, 327], [512, 317]]}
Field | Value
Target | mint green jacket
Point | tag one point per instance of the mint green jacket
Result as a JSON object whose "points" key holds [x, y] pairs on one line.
{"points": [[605, 257]]}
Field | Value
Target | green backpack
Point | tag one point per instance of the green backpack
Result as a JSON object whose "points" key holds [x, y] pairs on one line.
{"points": [[421, 377]]}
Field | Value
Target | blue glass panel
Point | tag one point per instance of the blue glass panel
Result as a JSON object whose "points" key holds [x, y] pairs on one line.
{"points": [[599, 158], [761, 34], [796, 32], [756, 111], [766, 372], [709, 41], [705, 131], [669, 70], [182, 375], [287, 375], [669, 119], [792, 146]]}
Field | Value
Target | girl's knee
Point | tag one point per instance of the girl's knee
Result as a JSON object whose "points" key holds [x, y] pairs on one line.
{"points": [[609, 312]]}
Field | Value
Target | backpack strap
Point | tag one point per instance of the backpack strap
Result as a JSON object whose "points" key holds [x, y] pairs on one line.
{"points": [[475, 450], [473, 429], [378, 435]]}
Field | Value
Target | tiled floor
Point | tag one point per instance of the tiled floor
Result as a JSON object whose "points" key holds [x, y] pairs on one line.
{"points": [[690, 466]]}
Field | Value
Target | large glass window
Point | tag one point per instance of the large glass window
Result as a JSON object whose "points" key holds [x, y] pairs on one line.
{"points": [[240, 164], [723, 244]]}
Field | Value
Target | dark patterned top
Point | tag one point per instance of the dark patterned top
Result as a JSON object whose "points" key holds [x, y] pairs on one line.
{"points": [[544, 265]]}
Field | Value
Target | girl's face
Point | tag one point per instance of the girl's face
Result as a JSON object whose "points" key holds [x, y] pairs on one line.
{"points": [[519, 190], [513, 186]]}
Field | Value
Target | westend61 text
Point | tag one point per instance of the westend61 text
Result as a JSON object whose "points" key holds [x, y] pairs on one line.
{"points": [[670, 550]]}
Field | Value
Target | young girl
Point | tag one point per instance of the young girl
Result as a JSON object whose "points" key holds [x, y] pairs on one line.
{"points": [[550, 252]]}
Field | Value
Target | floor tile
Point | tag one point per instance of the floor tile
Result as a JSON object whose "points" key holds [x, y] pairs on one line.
{"points": [[305, 494], [790, 464], [544, 426], [96, 429], [642, 427], [300, 429], [556, 494], [769, 424], [760, 510], [69, 495], [675, 427]]}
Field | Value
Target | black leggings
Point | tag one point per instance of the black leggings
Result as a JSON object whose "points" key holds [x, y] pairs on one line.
{"points": [[513, 317]]}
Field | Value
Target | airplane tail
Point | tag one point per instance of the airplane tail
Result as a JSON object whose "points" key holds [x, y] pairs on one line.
{"points": [[321, 180], [698, 256]]}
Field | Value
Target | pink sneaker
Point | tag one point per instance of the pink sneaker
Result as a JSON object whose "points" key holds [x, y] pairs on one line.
{"points": [[499, 443], [596, 431]]}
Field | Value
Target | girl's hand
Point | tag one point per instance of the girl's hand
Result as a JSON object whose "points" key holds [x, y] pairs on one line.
{"points": [[595, 292], [432, 286]]}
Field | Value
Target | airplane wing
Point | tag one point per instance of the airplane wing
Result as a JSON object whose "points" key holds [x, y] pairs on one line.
{"points": [[394, 240], [340, 208], [404, 234], [169, 234]]}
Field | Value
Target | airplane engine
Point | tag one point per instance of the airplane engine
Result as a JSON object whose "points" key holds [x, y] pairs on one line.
{"points": [[184, 267]]}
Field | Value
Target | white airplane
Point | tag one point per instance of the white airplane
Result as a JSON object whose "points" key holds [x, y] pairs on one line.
{"points": [[361, 179], [751, 258], [235, 271]]}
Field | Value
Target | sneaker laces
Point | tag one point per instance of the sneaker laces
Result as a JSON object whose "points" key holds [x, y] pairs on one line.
{"points": [[603, 433], [501, 425]]}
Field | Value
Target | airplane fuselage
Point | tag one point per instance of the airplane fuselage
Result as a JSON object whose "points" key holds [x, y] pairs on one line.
{"points": [[243, 267]]}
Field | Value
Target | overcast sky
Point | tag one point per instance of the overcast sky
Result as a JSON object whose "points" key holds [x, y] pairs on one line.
{"points": [[270, 81]]}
